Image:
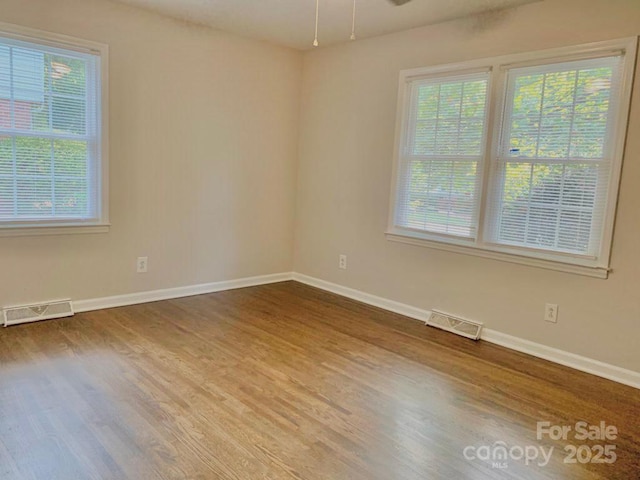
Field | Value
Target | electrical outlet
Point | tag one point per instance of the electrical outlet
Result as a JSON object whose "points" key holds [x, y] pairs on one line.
{"points": [[142, 264], [551, 312], [342, 262]]}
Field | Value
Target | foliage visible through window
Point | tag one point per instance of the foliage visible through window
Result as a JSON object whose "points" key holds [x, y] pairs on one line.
{"points": [[446, 146], [556, 160], [48, 134], [540, 179]]}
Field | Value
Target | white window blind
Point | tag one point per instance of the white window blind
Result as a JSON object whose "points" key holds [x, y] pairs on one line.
{"points": [[441, 156], [553, 168], [49, 135], [516, 158]]}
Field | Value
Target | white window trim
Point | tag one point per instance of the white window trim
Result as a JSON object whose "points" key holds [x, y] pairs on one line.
{"points": [[62, 226], [594, 267]]}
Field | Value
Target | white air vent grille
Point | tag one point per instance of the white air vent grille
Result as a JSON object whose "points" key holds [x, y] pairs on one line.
{"points": [[35, 313], [459, 326]]}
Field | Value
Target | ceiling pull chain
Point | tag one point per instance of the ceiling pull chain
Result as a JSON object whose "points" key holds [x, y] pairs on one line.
{"points": [[315, 41], [353, 23]]}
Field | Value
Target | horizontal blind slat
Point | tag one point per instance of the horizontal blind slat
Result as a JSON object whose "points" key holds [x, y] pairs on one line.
{"points": [[48, 127], [552, 173], [444, 141]]}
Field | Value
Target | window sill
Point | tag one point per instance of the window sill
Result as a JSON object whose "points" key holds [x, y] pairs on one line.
{"points": [[37, 230], [488, 252]]}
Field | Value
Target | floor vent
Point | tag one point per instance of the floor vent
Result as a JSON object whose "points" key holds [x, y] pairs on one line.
{"points": [[35, 313], [459, 326]]}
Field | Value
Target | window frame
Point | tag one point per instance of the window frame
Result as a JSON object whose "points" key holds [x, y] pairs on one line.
{"points": [[100, 51], [409, 120], [598, 266]]}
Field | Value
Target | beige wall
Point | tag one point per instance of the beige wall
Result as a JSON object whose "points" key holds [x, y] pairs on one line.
{"points": [[346, 146], [203, 152]]}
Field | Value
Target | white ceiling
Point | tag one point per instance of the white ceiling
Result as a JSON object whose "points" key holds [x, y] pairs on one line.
{"points": [[291, 22]]}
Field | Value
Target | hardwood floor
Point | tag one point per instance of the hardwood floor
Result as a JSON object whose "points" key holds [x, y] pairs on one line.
{"points": [[286, 382]]}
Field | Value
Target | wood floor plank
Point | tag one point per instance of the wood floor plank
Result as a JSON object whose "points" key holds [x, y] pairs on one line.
{"points": [[285, 381]]}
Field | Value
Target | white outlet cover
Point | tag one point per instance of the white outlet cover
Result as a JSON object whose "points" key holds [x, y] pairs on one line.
{"points": [[142, 264], [551, 312]]}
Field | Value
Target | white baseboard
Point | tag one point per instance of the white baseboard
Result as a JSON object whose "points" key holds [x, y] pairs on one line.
{"points": [[584, 364], [177, 292], [568, 359], [384, 303]]}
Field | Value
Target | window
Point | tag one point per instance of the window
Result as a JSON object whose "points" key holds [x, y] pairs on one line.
{"points": [[444, 149], [52, 155], [516, 158]]}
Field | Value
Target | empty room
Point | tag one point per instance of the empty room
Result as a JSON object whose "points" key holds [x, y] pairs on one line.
{"points": [[319, 240]]}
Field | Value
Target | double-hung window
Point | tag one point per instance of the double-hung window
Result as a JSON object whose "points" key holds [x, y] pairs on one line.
{"points": [[52, 133], [516, 158], [440, 161]]}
